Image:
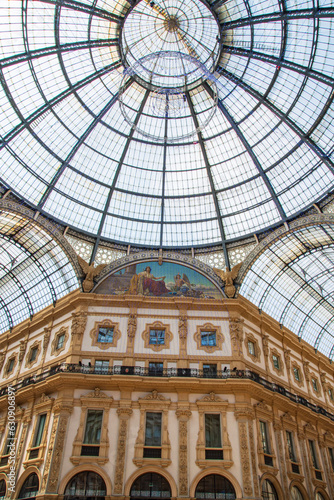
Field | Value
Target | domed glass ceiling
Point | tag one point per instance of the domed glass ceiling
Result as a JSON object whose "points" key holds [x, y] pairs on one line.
{"points": [[167, 123]]}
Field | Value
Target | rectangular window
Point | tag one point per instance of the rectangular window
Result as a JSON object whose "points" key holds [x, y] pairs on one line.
{"points": [[209, 370], [39, 430], [251, 348], [291, 447], [153, 429], [155, 369], [212, 431], [93, 427], [276, 361], [208, 338], [10, 365], [157, 337], [313, 454], [296, 374], [33, 354], [331, 456], [330, 394], [315, 384], [60, 341], [105, 334], [101, 366], [264, 437]]}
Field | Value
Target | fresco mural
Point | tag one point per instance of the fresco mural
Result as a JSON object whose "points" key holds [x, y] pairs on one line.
{"points": [[152, 279]]}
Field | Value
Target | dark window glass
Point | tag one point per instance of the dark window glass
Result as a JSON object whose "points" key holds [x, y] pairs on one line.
{"points": [[39, 430], [213, 487], [291, 448], [330, 394], [208, 338], [30, 487], [93, 427], [264, 437], [157, 337], [209, 370], [155, 368], [315, 384], [295, 494], [268, 491], [33, 354], [150, 485], [313, 454], [11, 365], [331, 456], [153, 429], [60, 341], [276, 361], [2, 488], [212, 431], [86, 484], [105, 334], [296, 374]]}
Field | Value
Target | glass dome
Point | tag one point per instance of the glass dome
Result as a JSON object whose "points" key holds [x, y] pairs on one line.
{"points": [[167, 123]]}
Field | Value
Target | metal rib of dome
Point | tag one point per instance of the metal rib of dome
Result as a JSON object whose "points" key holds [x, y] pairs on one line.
{"points": [[263, 157]]}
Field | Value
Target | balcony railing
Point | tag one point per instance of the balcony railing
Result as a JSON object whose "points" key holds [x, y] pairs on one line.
{"points": [[140, 371]]}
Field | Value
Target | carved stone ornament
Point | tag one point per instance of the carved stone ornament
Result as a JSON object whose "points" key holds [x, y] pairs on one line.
{"points": [[90, 273], [2, 359], [29, 361], [23, 345], [212, 398], [228, 277], [54, 344], [96, 394], [183, 327], [46, 339], [132, 325], [154, 395]]}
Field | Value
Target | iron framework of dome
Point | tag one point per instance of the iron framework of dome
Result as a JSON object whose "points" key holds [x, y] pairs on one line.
{"points": [[263, 157]]}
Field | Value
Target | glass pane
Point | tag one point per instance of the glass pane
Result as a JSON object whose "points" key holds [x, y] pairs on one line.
{"points": [[264, 437], [153, 429], [212, 431], [39, 430], [105, 335], [208, 338], [157, 337], [93, 427]]}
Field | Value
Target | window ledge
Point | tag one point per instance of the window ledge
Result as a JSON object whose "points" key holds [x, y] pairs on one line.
{"points": [[162, 462], [77, 460], [204, 464]]}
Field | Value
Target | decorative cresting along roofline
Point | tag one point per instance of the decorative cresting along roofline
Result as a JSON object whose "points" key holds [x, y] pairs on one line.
{"points": [[155, 255], [49, 227], [311, 220]]}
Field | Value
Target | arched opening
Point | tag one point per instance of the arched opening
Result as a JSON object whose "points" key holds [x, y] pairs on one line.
{"points": [[30, 487], [150, 485], [213, 487], [268, 490], [2, 489], [296, 494], [85, 485]]}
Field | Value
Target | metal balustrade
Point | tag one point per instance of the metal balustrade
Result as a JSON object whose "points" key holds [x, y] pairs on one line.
{"points": [[140, 371]]}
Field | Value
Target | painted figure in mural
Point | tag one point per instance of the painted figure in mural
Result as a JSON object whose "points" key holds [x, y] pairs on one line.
{"points": [[145, 283]]}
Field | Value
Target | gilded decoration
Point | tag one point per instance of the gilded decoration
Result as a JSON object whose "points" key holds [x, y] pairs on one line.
{"points": [[168, 336], [228, 278], [6, 373], [94, 334], [256, 356], [22, 350], [36, 345], [280, 369], [183, 415], [90, 272], [55, 350], [153, 402], [219, 338], [237, 335], [245, 458], [124, 415]]}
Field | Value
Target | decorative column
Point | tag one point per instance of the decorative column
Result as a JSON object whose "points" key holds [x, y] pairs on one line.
{"points": [[183, 415], [124, 415], [131, 331], [62, 411], [243, 416], [326, 466], [183, 333], [237, 334], [306, 465], [253, 454], [281, 455]]}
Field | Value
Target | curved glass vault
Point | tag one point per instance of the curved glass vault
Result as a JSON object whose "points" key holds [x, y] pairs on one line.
{"points": [[34, 270], [292, 280], [167, 123]]}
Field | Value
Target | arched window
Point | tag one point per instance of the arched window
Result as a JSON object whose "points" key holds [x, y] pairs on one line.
{"points": [[268, 490], [150, 485], [87, 485], [295, 494], [30, 487], [215, 486], [319, 496], [2, 489]]}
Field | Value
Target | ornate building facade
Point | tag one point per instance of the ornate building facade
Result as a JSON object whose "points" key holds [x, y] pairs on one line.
{"points": [[149, 388]]}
